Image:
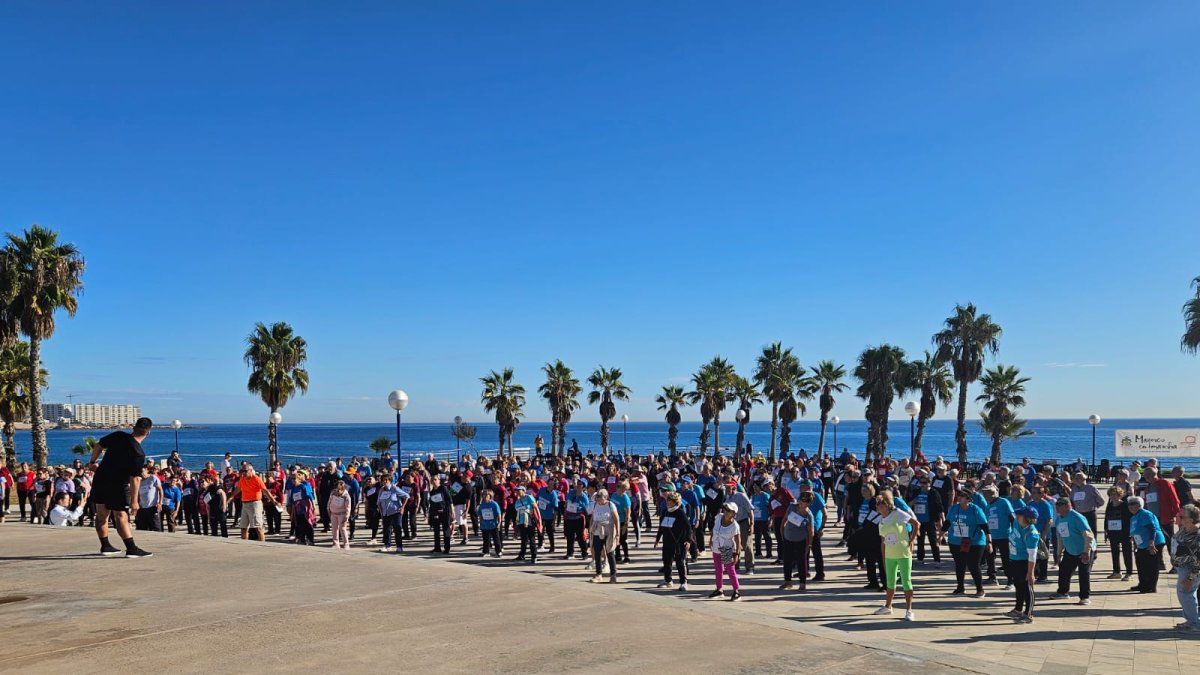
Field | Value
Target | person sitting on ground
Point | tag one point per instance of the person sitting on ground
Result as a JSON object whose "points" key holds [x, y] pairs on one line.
{"points": [[61, 515]]}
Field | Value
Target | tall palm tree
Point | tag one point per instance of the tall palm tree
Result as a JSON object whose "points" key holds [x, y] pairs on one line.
{"points": [[670, 399], [38, 277], [14, 395], [1191, 316], [881, 371], [931, 376], [561, 391], [964, 343], [504, 397], [800, 389], [713, 389], [1003, 393], [606, 388], [774, 370], [276, 356], [828, 378], [748, 396]]}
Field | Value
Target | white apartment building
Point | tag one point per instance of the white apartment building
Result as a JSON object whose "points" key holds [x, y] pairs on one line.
{"points": [[53, 412], [104, 415]]}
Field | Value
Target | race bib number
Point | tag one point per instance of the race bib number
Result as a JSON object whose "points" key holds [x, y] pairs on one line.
{"points": [[488, 514], [828, 474], [1064, 530], [962, 530], [207, 499], [993, 522], [187, 492], [371, 492], [759, 513], [543, 503], [939, 483], [455, 489], [1078, 496], [435, 498], [891, 539], [1139, 540], [600, 516], [796, 519], [840, 488], [919, 509], [711, 493], [572, 507], [1151, 497], [1114, 526], [668, 522], [775, 504]]}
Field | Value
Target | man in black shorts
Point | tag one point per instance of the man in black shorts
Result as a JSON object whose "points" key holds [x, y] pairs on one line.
{"points": [[116, 482]]}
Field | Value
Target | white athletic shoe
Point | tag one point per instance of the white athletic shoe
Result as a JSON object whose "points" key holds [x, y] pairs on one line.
{"points": [[683, 587], [883, 611], [665, 584], [909, 616], [387, 549]]}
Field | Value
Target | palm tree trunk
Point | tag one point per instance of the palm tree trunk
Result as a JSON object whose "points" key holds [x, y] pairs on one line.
{"points": [[672, 434], [921, 419], [883, 433], [717, 436], [500, 445], [996, 443], [510, 448], [774, 427], [10, 445], [37, 425], [960, 434], [603, 436], [821, 439]]}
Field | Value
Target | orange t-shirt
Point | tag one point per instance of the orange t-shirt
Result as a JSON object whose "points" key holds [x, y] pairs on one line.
{"points": [[251, 488]]}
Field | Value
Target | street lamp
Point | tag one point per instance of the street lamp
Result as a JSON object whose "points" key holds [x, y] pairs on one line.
{"points": [[834, 421], [457, 425], [913, 409], [625, 432], [176, 425], [398, 400], [740, 416], [273, 436], [1094, 420]]}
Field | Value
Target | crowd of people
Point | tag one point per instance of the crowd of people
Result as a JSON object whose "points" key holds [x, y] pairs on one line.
{"points": [[1003, 526]]}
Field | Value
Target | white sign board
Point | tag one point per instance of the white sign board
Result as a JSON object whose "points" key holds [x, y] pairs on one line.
{"points": [[1158, 443]]}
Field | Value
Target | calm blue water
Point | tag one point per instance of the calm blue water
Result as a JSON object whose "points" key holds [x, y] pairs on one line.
{"points": [[1056, 439]]}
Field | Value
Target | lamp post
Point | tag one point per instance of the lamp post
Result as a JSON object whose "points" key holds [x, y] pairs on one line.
{"points": [[834, 421], [273, 436], [740, 416], [176, 425], [457, 424], [398, 400], [912, 408], [1094, 420], [625, 432]]}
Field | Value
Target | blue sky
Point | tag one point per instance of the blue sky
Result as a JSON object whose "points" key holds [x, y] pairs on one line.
{"points": [[427, 191]]}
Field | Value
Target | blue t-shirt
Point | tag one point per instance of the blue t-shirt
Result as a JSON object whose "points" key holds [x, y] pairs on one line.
{"points": [[979, 501], [171, 496], [547, 501], [762, 506], [623, 504], [817, 508], [581, 503], [1070, 529], [1000, 518], [298, 493], [1045, 514], [1024, 544], [966, 524], [1144, 529], [921, 507], [691, 501], [489, 515], [524, 507]]}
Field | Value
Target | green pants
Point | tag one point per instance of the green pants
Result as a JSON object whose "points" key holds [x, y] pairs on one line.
{"points": [[903, 566]]}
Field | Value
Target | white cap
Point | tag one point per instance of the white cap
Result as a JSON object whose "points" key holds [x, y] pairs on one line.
{"points": [[730, 506]]}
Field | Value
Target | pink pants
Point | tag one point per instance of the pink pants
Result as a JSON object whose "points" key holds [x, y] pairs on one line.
{"points": [[341, 534], [721, 569]]}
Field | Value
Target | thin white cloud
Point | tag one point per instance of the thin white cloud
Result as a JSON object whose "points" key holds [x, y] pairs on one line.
{"points": [[1054, 364]]}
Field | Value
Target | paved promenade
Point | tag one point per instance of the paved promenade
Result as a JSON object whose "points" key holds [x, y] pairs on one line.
{"points": [[228, 606]]}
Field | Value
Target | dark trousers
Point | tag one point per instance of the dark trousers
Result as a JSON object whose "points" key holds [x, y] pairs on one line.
{"points": [[1169, 531], [217, 524], [1017, 571], [323, 518], [967, 561], [1147, 569], [441, 532], [930, 534], [762, 533], [674, 554], [391, 528], [409, 523], [818, 555], [547, 531], [274, 514], [147, 519], [373, 520], [795, 557], [872, 557], [573, 530], [1121, 549], [304, 531], [600, 553], [491, 540], [191, 516], [1067, 567], [999, 548], [528, 535], [24, 497]]}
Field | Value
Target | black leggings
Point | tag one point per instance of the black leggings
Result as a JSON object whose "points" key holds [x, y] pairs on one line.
{"points": [[191, 516], [999, 548], [408, 523], [573, 531], [547, 531], [1121, 549], [762, 532], [930, 534], [1017, 571], [600, 553], [216, 521], [967, 560], [795, 557], [674, 553], [624, 543]]}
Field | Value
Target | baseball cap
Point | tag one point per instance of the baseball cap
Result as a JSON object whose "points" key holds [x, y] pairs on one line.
{"points": [[1027, 511], [667, 487], [730, 506]]}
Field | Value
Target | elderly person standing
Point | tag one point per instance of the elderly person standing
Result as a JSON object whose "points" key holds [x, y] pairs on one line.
{"points": [[1187, 565], [1085, 498], [1148, 540], [1159, 498], [1076, 540]]}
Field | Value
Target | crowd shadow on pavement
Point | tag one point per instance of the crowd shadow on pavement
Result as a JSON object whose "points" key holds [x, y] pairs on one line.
{"points": [[1043, 636]]}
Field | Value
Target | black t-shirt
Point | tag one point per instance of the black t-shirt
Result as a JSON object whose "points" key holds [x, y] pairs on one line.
{"points": [[123, 457]]}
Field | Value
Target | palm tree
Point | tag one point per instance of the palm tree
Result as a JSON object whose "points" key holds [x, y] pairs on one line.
{"points": [[84, 448], [14, 396], [747, 396], [932, 377], [881, 370], [561, 391], [774, 369], [827, 377], [1191, 316], [1003, 393], [713, 389], [800, 389], [276, 356], [381, 445], [38, 277], [963, 343], [670, 400], [606, 388], [504, 397]]}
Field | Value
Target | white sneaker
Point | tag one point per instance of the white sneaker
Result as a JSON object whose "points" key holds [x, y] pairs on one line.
{"points": [[883, 611], [372, 542], [909, 616], [664, 584], [387, 549], [597, 579], [683, 587]]}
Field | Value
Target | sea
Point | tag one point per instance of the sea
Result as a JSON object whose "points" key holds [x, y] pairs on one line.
{"points": [[309, 444]]}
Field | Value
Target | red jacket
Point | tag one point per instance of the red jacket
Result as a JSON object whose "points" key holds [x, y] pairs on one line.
{"points": [[1168, 500]]}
